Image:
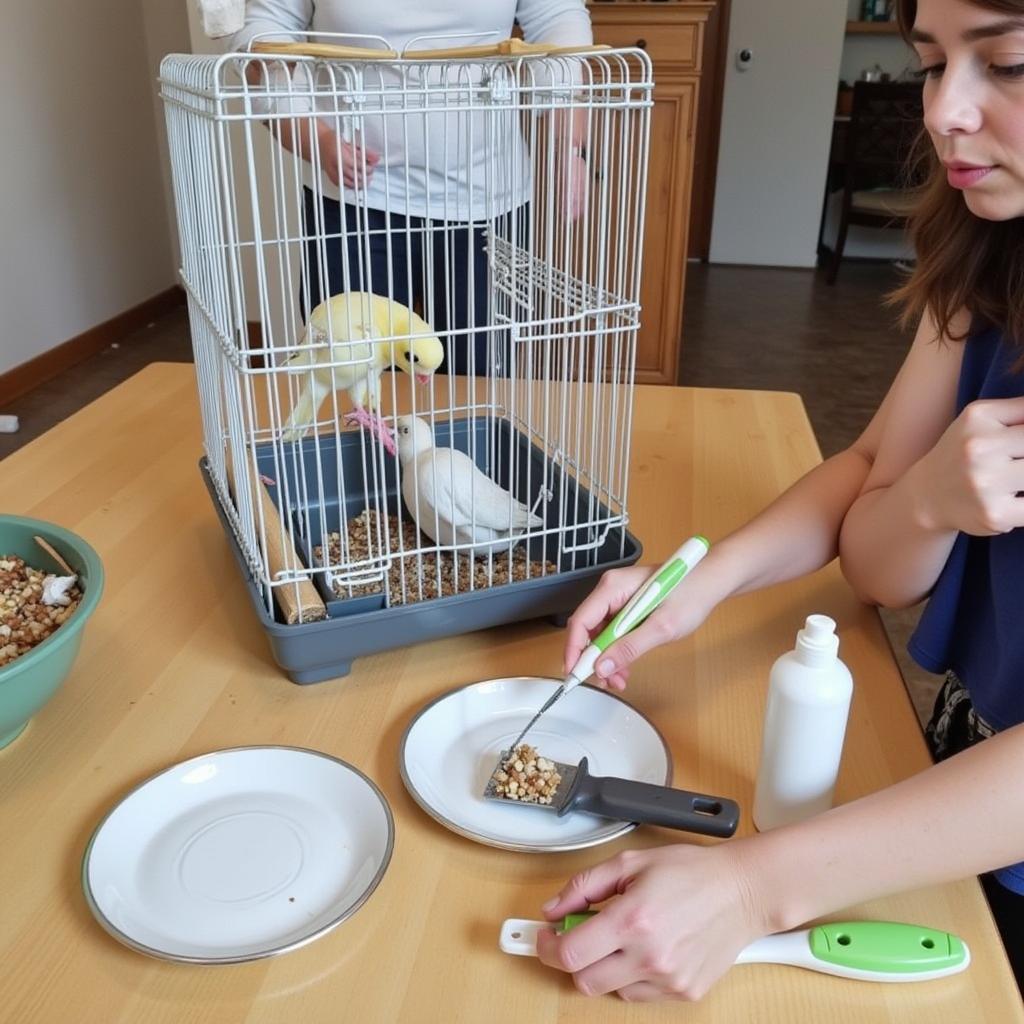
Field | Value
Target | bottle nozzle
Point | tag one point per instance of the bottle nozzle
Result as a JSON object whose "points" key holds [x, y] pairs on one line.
{"points": [[819, 628], [818, 635]]}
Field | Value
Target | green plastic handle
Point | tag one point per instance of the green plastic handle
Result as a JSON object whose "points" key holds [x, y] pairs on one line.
{"points": [[654, 591], [886, 947], [571, 920]]}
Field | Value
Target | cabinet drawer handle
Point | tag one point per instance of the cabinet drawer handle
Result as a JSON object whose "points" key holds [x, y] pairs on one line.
{"points": [[641, 44]]}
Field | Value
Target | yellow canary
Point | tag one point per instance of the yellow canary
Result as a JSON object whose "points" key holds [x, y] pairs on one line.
{"points": [[342, 352]]}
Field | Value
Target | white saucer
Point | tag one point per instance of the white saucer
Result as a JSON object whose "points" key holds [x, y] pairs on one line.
{"points": [[238, 854], [451, 747]]}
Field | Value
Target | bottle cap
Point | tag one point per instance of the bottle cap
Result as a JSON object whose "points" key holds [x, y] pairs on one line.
{"points": [[818, 636]]}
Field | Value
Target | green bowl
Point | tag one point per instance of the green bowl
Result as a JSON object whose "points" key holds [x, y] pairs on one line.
{"points": [[28, 682]]}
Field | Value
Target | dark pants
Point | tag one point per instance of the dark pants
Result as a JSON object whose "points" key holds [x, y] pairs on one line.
{"points": [[954, 727], [437, 268]]}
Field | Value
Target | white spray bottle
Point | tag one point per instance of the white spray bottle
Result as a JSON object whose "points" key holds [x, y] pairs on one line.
{"points": [[809, 692]]}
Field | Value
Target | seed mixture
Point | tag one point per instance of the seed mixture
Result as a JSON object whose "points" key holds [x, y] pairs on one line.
{"points": [[526, 776], [403, 573], [24, 619]]}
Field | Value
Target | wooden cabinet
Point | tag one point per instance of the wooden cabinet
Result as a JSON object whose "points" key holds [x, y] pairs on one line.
{"points": [[672, 33]]}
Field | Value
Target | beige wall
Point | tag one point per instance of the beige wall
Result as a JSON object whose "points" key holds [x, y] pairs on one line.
{"points": [[166, 25], [85, 206]]}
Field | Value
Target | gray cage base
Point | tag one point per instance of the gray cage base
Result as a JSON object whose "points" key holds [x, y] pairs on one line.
{"points": [[313, 652]]}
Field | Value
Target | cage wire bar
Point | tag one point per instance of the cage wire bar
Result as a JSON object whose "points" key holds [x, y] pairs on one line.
{"points": [[506, 211]]}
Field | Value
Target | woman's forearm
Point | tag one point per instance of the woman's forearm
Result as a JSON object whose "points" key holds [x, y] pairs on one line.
{"points": [[296, 134], [307, 137], [797, 534], [890, 554], [955, 819]]}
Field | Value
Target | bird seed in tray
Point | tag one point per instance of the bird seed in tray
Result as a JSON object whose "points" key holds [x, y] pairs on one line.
{"points": [[364, 542], [526, 776], [25, 620]]}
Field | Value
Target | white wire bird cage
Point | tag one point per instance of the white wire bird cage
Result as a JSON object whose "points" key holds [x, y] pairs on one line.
{"points": [[348, 219]]}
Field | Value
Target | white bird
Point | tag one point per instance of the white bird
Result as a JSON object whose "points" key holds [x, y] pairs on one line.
{"points": [[351, 322], [452, 501]]}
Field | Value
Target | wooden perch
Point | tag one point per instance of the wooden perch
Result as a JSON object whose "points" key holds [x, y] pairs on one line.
{"points": [[505, 48], [299, 601]]}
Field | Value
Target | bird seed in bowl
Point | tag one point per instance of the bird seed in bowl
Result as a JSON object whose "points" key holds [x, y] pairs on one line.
{"points": [[33, 604]]}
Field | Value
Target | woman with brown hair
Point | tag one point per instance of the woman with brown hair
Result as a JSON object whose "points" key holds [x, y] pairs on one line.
{"points": [[928, 502]]}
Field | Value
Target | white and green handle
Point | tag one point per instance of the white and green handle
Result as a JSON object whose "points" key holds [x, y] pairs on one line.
{"points": [[863, 950], [639, 606]]}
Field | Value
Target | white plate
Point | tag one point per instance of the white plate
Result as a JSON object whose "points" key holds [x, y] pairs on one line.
{"points": [[238, 854], [451, 747]]}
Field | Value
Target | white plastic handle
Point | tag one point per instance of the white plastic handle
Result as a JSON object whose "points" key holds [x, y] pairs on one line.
{"points": [[519, 936]]}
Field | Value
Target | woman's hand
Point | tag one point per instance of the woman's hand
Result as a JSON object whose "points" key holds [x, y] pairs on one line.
{"points": [[681, 916], [973, 478], [316, 142], [343, 162], [677, 616]]}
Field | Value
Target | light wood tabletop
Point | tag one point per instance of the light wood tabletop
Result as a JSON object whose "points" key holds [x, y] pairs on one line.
{"points": [[174, 664]]}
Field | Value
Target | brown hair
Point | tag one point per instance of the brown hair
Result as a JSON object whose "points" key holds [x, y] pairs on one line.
{"points": [[963, 261]]}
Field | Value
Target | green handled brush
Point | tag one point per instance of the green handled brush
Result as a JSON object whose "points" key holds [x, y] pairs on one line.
{"points": [[639, 606], [863, 950]]}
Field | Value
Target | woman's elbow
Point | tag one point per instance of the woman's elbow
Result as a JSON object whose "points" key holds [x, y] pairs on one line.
{"points": [[862, 589], [871, 580], [870, 589]]}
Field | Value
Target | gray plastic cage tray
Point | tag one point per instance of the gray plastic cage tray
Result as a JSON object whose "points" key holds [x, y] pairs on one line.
{"points": [[315, 651]]}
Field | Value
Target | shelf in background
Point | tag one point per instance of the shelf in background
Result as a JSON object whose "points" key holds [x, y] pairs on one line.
{"points": [[865, 28]]}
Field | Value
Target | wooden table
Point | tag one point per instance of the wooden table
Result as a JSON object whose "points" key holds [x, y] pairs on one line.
{"points": [[174, 664]]}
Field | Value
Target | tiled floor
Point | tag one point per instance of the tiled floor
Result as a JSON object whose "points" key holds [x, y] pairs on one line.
{"points": [[744, 327], [787, 330]]}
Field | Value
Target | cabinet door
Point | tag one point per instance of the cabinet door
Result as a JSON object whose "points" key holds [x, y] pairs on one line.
{"points": [[664, 252]]}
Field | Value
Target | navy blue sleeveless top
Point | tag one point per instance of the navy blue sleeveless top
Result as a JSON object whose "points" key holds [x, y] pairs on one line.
{"points": [[973, 623]]}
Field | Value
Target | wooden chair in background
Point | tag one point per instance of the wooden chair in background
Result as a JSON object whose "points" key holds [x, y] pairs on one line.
{"points": [[884, 122]]}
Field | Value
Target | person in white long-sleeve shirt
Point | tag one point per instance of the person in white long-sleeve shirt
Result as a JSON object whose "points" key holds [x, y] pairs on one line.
{"points": [[419, 186]]}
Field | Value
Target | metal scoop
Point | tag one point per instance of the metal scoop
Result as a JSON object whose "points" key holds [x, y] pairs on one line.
{"points": [[628, 800]]}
